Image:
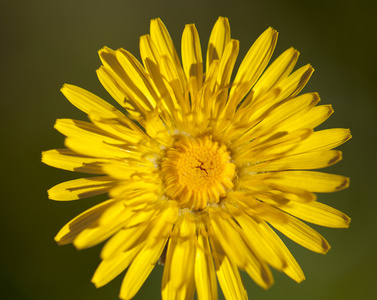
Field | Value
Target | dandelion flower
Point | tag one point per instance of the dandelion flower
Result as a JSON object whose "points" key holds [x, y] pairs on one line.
{"points": [[201, 170]]}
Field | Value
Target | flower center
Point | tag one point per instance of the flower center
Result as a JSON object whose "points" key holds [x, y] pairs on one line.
{"points": [[197, 172]]}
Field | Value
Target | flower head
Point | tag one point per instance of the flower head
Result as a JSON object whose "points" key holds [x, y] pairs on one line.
{"points": [[200, 169]]}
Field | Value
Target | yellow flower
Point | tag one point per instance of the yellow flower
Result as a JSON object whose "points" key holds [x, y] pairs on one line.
{"points": [[199, 168]]}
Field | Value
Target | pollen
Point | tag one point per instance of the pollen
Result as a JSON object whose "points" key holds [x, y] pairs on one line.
{"points": [[197, 172]]}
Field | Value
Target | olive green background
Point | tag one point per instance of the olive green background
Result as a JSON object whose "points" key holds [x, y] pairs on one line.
{"points": [[47, 43]]}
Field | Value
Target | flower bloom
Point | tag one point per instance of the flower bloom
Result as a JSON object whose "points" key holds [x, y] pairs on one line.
{"points": [[201, 170]]}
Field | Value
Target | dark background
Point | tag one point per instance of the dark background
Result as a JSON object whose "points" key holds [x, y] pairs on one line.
{"points": [[47, 43]]}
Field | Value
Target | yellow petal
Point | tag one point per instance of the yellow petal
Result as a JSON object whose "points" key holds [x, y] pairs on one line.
{"points": [[86, 219], [256, 208], [115, 86], [218, 40], [292, 269], [91, 145], [136, 79], [87, 101], [310, 160], [81, 188], [229, 238], [224, 74], [192, 59], [180, 256], [161, 38], [304, 235], [262, 244], [295, 82], [124, 240], [286, 89], [162, 225], [85, 131], [109, 268], [108, 223], [140, 269], [205, 276], [276, 72], [290, 109], [312, 181], [311, 119], [119, 67], [117, 128], [323, 140], [143, 195], [68, 160], [252, 66], [148, 50], [270, 147], [317, 213], [160, 74], [125, 171], [227, 274], [227, 63]]}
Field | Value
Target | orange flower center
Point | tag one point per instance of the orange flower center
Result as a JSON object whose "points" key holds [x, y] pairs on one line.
{"points": [[197, 172]]}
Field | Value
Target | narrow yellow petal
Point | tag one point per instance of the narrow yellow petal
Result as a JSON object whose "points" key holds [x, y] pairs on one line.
{"points": [[311, 119], [252, 66], [286, 89], [108, 223], [317, 182], [295, 82], [192, 59], [181, 253], [304, 235], [115, 86], [148, 50], [124, 240], [229, 239], [143, 195], [276, 72], [261, 244], [161, 38], [180, 256], [85, 131], [317, 213], [256, 208], [118, 67], [137, 79], [87, 101], [117, 128], [140, 269], [159, 73], [68, 160], [270, 147], [163, 223], [232, 240], [125, 171], [92, 145], [272, 123], [86, 219], [110, 268], [292, 269], [81, 188], [218, 40], [323, 140], [205, 276], [107, 77], [310, 160], [227, 63], [227, 274]]}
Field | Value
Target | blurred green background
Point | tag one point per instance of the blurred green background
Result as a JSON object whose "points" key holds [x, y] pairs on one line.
{"points": [[47, 43]]}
